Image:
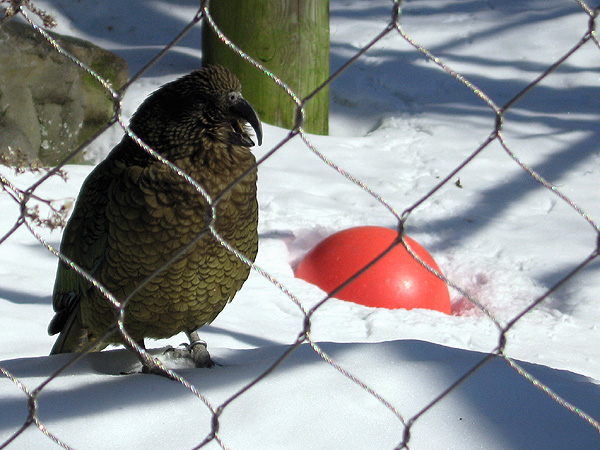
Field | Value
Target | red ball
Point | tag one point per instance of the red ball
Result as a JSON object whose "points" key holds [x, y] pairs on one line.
{"points": [[395, 281]]}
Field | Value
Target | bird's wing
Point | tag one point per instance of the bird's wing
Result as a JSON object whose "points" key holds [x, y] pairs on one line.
{"points": [[83, 242], [151, 213]]}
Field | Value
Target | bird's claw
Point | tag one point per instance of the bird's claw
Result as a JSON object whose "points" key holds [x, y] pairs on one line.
{"points": [[152, 367], [155, 370], [195, 350]]}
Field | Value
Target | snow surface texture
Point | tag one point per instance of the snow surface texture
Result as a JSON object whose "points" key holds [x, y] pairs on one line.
{"points": [[401, 124]]}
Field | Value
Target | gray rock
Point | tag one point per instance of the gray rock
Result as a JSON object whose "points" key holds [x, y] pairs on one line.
{"points": [[48, 105]]}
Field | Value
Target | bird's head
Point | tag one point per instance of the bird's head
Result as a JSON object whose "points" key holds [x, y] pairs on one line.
{"points": [[224, 104], [206, 104]]}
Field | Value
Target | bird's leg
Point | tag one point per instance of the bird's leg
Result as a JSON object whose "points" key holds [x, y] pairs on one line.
{"points": [[198, 350], [195, 350]]}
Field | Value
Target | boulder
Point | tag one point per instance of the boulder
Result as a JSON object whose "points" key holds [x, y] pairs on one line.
{"points": [[49, 105]]}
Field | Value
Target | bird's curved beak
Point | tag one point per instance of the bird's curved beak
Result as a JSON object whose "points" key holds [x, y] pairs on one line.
{"points": [[244, 110]]}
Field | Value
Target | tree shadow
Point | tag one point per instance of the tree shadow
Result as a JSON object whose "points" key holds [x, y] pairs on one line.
{"points": [[417, 89]]}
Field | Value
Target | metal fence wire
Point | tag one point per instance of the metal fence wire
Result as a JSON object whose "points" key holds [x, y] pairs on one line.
{"points": [[31, 221]]}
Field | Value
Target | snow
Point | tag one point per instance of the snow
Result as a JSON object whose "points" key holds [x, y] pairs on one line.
{"points": [[400, 124]]}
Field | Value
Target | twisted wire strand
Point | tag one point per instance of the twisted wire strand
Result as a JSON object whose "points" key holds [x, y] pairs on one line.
{"points": [[22, 197], [32, 411], [497, 135], [551, 394], [298, 128]]}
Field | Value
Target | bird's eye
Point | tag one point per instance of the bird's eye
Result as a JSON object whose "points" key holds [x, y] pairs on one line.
{"points": [[232, 97]]}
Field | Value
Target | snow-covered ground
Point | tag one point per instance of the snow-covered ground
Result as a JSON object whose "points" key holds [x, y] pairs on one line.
{"points": [[400, 124]]}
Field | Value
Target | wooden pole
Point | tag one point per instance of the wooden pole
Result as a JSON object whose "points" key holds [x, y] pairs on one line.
{"points": [[291, 39]]}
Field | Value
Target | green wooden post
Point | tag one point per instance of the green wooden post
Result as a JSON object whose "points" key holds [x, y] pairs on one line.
{"points": [[291, 39]]}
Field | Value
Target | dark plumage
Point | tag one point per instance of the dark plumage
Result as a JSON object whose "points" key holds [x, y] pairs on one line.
{"points": [[133, 213]]}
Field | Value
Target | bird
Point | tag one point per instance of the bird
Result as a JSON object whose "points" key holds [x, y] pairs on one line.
{"points": [[133, 214]]}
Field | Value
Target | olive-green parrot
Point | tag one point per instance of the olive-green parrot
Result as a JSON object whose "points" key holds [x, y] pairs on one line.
{"points": [[134, 213]]}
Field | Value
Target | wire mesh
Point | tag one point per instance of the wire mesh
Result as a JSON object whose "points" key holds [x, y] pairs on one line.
{"points": [[391, 29]]}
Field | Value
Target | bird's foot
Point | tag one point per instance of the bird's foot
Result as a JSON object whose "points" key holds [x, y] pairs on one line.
{"points": [[196, 351], [149, 365], [156, 370]]}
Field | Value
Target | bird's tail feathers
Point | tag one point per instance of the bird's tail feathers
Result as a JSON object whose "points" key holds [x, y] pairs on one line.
{"points": [[72, 337]]}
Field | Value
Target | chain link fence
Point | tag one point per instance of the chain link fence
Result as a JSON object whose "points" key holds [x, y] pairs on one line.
{"points": [[29, 218]]}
